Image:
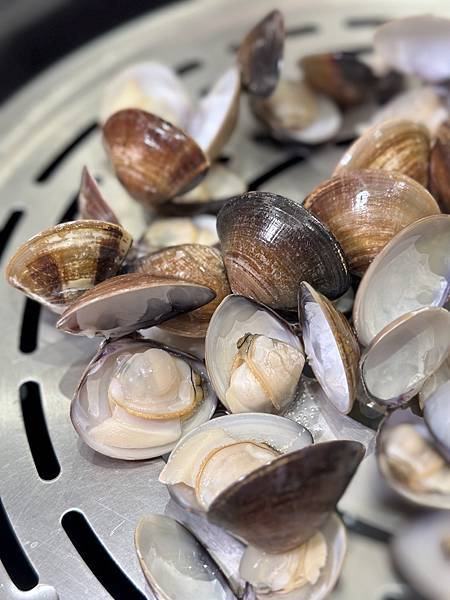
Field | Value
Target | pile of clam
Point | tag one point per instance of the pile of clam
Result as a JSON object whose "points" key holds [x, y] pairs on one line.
{"points": [[205, 316]]}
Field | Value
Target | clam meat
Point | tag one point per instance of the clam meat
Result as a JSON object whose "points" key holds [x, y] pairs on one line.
{"points": [[175, 231]]}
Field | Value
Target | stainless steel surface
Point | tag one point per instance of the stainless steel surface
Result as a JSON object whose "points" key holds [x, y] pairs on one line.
{"points": [[36, 126]]}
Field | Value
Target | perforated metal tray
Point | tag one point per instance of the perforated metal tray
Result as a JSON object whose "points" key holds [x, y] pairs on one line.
{"points": [[47, 134]]}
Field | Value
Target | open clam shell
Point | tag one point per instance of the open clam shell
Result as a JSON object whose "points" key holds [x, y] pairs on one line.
{"points": [[91, 203], [280, 434], [365, 209], [235, 318], [410, 462], [280, 505], [149, 86], [395, 145], [404, 354], [174, 231], [270, 244], [416, 45], [412, 271], [126, 303], [175, 564], [259, 567], [260, 55], [91, 406], [421, 554], [331, 347], [440, 167], [191, 263], [153, 159], [58, 265], [340, 76]]}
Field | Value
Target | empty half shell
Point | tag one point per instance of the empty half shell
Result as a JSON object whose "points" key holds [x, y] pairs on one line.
{"points": [[331, 347], [365, 209], [153, 159], [91, 203], [308, 572], [282, 504], [137, 398], [245, 441], [396, 145], [174, 562], [191, 263], [58, 265], [270, 244], [126, 303], [411, 272], [440, 167], [260, 55], [410, 462], [404, 354], [340, 76], [253, 358]]}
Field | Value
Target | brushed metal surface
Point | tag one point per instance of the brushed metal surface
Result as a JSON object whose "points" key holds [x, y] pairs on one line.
{"points": [[36, 125]]}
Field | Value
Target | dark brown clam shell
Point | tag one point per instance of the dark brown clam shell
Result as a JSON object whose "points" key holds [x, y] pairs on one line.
{"points": [[126, 303], [341, 76], [260, 55], [440, 167], [91, 203], [153, 159], [270, 244], [280, 505]]}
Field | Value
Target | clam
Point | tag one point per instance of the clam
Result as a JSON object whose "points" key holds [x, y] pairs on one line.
{"points": [[340, 76], [404, 354], [58, 265], [175, 231], [91, 203], [395, 145], [260, 55], [410, 462], [439, 167], [365, 209], [330, 346], [149, 86], [126, 303], [238, 444], [270, 244], [412, 271], [137, 398], [421, 555], [254, 360], [280, 505], [308, 572], [421, 105], [417, 46], [295, 113], [153, 159], [192, 263], [175, 564]]}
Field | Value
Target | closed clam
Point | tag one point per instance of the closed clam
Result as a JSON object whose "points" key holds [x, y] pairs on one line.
{"points": [[174, 231], [153, 159], [410, 461], [223, 450], [404, 354], [137, 398], [190, 263], [412, 271], [341, 76], [440, 167], [365, 209], [253, 358], [394, 145], [126, 303], [331, 347], [270, 244], [58, 265], [260, 55], [91, 203]]}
